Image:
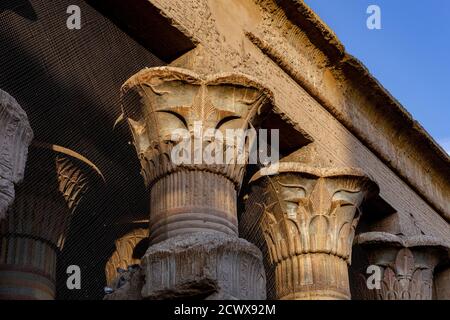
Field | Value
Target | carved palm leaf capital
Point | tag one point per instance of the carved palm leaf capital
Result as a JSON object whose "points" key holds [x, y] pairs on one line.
{"points": [[310, 209], [124, 254], [407, 263], [159, 103], [56, 180], [309, 191]]}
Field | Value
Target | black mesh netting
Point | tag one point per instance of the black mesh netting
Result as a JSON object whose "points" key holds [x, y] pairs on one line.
{"points": [[68, 82]]}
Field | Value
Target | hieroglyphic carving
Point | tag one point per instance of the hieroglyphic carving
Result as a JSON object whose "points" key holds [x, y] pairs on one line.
{"points": [[407, 265], [15, 137], [307, 217]]}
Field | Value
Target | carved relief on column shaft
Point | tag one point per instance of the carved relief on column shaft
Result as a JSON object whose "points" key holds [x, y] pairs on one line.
{"points": [[306, 218], [35, 230], [406, 264], [15, 137]]}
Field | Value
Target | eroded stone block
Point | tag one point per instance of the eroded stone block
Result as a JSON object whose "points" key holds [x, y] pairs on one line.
{"points": [[204, 265]]}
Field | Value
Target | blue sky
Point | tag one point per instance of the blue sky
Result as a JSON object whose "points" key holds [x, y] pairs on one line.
{"points": [[410, 55]]}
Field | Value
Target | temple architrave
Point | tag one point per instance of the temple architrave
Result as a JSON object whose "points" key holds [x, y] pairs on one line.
{"points": [[355, 206]]}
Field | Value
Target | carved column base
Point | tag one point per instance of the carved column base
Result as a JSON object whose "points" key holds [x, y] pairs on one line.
{"points": [[204, 265], [29, 275], [318, 276]]}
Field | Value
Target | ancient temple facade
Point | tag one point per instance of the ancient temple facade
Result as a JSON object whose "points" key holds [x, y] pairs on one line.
{"points": [[332, 190]]}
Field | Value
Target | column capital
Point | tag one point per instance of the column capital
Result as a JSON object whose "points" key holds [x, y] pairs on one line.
{"points": [[124, 256], [159, 101], [407, 265], [15, 137], [55, 181], [307, 219]]}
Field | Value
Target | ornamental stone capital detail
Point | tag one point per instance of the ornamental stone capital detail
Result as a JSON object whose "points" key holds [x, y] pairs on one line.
{"points": [[406, 264], [306, 219], [158, 103], [194, 195], [124, 255], [15, 137], [54, 184]]}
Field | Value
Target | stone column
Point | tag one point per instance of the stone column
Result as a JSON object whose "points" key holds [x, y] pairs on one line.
{"points": [[406, 265], [304, 219], [35, 229], [15, 137], [195, 249]]}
